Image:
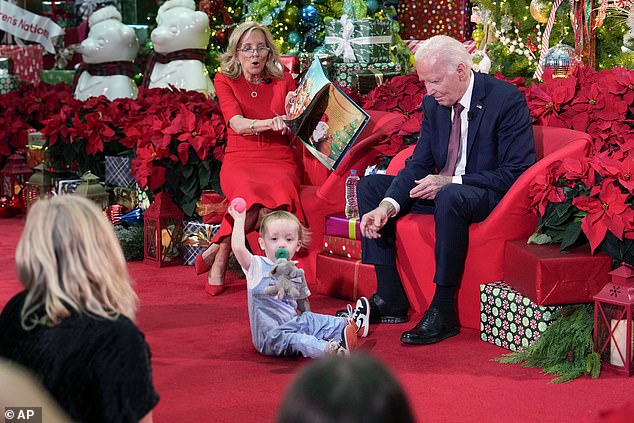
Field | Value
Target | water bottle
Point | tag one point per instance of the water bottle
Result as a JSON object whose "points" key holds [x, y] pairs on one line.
{"points": [[352, 205]]}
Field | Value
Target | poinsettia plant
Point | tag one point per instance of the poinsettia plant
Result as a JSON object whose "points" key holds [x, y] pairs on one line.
{"points": [[174, 137], [24, 109], [590, 199], [402, 94]]}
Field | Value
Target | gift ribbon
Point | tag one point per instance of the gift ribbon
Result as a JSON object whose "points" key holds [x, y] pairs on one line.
{"points": [[352, 227], [344, 47]]}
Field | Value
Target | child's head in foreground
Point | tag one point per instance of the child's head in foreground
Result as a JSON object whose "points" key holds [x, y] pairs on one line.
{"points": [[282, 229]]}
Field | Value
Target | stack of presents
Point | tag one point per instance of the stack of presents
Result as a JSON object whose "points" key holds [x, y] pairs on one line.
{"points": [[340, 272]]}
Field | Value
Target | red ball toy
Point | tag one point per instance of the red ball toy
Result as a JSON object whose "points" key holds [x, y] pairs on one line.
{"points": [[239, 204]]}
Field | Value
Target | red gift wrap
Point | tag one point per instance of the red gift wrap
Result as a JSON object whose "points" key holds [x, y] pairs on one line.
{"points": [[27, 61], [291, 63], [449, 18], [343, 247], [549, 277], [339, 225], [344, 278]]}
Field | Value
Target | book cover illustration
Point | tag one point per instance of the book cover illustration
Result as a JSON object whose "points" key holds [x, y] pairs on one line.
{"points": [[325, 119]]}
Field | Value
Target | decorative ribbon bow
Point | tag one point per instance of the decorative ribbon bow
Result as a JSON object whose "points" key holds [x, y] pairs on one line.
{"points": [[344, 47]]}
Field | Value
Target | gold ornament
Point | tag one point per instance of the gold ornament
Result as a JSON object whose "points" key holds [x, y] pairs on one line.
{"points": [[478, 35], [540, 9]]}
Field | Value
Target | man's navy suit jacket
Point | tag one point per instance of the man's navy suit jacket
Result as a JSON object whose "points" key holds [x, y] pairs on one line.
{"points": [[500, 144]]}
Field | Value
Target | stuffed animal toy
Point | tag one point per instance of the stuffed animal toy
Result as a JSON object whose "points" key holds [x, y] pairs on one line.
{"points": [[180, 47], [290, 280], [107, 58]]}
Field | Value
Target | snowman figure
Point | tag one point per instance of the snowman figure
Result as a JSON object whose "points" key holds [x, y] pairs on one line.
{"points": [[107, 58], [180, 45]]}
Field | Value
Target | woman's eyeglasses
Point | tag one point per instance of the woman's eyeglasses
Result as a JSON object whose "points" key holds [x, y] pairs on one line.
{"points": [[260, 51]]}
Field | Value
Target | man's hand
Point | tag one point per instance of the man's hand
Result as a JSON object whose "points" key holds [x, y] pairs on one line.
{"points": [[372, 222], [428, 187]]}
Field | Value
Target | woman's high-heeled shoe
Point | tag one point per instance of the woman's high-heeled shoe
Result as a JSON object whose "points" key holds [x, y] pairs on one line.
{"points": [[214, 290], [201, 265]]}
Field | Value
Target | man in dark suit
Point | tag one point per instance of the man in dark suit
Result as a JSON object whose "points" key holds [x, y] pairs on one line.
{"points": [[475, 140]]}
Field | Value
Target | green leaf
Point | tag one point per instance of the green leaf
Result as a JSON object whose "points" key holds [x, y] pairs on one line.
{"points": [[571, 235], [540, 239]]}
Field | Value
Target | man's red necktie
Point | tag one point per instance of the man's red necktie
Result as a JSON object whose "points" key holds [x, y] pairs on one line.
{"points": [[454, 142]]}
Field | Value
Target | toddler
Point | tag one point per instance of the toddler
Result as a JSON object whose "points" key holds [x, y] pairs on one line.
{"points": [[283, 327]]}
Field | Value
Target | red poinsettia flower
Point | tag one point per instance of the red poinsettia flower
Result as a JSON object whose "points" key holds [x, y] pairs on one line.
{"points": [[606, 211], [544, 189], [619, 170], [593, 102], [549, 100], [620, 81]]}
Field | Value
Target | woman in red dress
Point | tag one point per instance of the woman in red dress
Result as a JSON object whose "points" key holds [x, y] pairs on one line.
{"points": [[259, 164]]}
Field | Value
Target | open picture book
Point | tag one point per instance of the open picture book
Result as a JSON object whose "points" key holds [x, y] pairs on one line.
{"points": [[325, 119]]}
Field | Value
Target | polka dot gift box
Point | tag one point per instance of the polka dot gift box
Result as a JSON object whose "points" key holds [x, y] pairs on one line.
{"points": [[510, 320], [422, 19]]}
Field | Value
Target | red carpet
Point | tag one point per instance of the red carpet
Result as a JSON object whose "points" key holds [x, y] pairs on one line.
{"points": [[206, 370]]}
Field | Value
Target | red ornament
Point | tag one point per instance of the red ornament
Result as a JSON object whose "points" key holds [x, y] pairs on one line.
{"points": [[5, 208], [221, 36]]}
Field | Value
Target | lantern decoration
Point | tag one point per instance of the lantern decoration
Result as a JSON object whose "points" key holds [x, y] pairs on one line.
{"points": [[13, 178], [163, 232], [39, 186], [561, 59], [92, 189], [613, 330]]}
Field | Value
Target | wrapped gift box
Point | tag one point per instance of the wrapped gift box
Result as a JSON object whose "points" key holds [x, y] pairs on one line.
{"points": [[211, 207], [67, 186], [450, 18], [343, 247], [306, 59], [57, 76], [510, 320], [344, 278], [548, 276], [9, 83], [196, 238], [291, 63], [118, 171], [346, 75], [339, 225], [369, 39], [27, 61]]}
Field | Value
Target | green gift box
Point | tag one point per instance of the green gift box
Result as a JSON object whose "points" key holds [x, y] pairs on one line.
{"points": [[57, 76], [9, 83], [359, 40], [510, 320], [355, 76]]}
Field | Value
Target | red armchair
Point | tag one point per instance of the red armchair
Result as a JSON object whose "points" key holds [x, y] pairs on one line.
{"points": [[323, 192], [512, 219]]}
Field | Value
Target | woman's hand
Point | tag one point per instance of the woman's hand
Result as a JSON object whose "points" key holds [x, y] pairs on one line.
{"points": [[277, 124]]}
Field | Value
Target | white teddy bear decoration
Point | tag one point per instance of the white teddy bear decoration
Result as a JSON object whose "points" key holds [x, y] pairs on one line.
{"points": [[107, 58], [180, 45]]}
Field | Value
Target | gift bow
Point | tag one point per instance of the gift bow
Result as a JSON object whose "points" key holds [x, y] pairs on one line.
{"points": [[345, 42]]}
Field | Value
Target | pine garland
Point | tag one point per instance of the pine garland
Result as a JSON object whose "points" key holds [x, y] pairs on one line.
{"points": [[131, 240], [565, 348]]}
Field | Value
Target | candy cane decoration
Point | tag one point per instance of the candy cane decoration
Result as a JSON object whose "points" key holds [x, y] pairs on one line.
{"points": [[546, 38]]}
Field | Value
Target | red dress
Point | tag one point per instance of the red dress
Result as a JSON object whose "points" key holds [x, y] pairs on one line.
{"points": [[261, 168]]}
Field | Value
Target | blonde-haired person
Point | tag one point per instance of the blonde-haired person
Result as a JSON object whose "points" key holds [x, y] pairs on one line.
{"points": [[255, 92], [73, 324], [287, 327]]}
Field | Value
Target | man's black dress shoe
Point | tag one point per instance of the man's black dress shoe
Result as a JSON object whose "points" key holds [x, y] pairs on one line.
{"points": [[433, 327], [382, 312]]}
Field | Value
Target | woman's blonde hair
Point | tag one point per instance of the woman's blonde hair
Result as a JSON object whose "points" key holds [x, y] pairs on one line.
{"points": [[69, 259], [229, 63], [304, 233]]}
